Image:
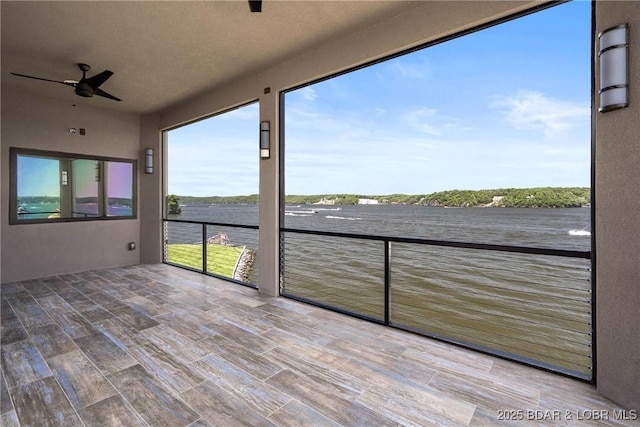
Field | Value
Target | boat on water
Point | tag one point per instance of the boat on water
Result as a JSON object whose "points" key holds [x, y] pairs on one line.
{"points": [[582, 232]]}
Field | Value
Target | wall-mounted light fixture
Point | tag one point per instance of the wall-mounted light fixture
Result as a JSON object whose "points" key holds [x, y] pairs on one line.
{"points": [[148, 160], [265, 151], [614, 74]]}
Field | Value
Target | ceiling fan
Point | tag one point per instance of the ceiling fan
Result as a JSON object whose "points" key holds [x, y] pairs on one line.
{"points": [[86, 87]]}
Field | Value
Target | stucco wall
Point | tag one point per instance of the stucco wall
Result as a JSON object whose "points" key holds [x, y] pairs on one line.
{"points": [[38, 250], [617, 226]]}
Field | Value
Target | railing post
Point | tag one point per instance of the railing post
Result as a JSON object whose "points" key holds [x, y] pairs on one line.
{"points": [[387, 279], [204, 248]]}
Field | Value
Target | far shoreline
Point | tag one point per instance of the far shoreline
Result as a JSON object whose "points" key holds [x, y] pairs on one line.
{"points": [[535, 197]]}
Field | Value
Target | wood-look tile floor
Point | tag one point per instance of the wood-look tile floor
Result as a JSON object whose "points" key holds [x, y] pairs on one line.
{"points": [[160, 346]]}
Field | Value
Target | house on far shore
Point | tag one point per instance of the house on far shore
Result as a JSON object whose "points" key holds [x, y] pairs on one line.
{"points": [[326, 202], [367, 202]]}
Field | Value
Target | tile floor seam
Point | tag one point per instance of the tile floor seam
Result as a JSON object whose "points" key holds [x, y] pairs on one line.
{"points": [[548, 395], [75, 410], [105, 377], [124, 399], [18, 317]]}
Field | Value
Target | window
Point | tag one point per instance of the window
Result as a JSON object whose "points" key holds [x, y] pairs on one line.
{"points": [[52, 187], [408, 181], [496, 118], [213, 163], [212, 200]]}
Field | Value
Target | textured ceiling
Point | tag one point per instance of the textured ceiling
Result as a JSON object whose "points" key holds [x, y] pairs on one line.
{"points": [[162, 52]]}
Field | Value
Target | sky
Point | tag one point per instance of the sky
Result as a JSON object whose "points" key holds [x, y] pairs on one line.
{"points": [[508, 106], [40, 176]]}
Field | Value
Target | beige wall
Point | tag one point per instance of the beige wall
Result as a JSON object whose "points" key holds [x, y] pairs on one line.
{"points": [[38, 250], [617, 226]]}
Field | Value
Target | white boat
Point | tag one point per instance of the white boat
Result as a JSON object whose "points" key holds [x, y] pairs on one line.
{"points": [[312, 211], [582, 232]]}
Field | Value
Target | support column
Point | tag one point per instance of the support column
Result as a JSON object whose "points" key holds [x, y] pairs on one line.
{"points": [[268, 250], [150, 200], [617, 228]]}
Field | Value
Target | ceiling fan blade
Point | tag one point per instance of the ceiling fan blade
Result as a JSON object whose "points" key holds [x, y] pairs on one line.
{"points": [[98, 79], [100, 92], [86, 87], [39, 78]]}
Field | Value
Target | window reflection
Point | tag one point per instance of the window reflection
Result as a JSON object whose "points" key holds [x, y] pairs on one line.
{"points": [[119, 185], [86, 176], [49, 186], [38, 187]]}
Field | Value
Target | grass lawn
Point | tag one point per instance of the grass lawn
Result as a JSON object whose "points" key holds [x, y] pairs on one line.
{"points": [[220, 259]]}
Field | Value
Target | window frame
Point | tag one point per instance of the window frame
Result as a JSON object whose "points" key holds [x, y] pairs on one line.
{"points": [[462, 33], [103, 208]]}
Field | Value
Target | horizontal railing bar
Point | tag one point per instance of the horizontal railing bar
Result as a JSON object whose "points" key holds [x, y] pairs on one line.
{"points": [[515, 304], [514, 312], [499, 353], [201, 270], [332, 308], [217, 276], [540, 286], [532, 292], [461, 340], [220, 224], [521, 338], [412, 240], [448, 243], [232, 280], [184, 267]]}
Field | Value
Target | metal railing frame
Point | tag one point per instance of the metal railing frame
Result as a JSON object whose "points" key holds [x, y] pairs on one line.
{"points": [[387, 240], [204, 225]]}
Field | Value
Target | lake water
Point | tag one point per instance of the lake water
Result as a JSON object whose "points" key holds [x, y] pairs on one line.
{"points": [[548, 228], [531, 307]]}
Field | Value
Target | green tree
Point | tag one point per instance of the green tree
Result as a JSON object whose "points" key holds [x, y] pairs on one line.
{"points": [[172, 205]]}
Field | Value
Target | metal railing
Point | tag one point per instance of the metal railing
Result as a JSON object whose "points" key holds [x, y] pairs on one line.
{"points": [[533, 305], [226, 251], [527, 304]]}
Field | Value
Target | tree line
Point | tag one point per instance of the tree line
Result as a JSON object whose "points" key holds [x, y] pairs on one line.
{"points": [[538, 197]]}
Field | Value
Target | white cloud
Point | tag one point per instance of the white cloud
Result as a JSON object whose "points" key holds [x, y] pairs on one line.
{"points": [[309, 120], [429, 121], [308, 93], [409, 70], [379, 112], [247, 112], [528, 110]]}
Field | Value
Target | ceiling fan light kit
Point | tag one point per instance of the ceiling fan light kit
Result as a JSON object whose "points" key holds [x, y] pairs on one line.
{"points": [[86, 87]]}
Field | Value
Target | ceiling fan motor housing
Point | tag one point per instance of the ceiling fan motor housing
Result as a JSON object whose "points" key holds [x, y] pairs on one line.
{"points": [[84, 89]]}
